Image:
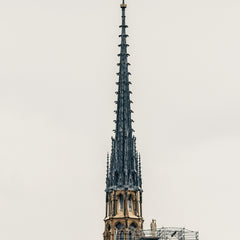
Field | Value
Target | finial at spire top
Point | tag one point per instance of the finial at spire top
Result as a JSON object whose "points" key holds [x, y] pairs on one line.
{"points": [[123, 5]]}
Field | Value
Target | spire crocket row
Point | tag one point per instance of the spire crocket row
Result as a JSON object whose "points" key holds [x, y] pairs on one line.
{"points": [[123, 172]]}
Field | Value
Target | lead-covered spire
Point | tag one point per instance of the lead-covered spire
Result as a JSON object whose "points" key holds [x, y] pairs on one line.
{"points": [[123, 120], [124, 164]]}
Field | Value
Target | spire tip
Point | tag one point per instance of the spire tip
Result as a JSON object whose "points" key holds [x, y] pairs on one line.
{"points": [[123, 5]]}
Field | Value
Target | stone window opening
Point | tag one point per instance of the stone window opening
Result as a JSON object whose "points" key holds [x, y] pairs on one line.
{"points": [[119, 234], [130, 203], [121, 202], [132, 231]]}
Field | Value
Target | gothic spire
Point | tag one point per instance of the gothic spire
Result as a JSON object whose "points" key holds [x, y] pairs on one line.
{"points": [[123, 120], [123, 171]]}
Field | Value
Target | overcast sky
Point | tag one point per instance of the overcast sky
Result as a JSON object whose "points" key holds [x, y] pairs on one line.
{"points": [[57, 82]]}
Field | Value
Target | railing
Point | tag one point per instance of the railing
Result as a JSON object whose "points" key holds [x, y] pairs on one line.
{"points": [[170, 233], [164, 233]]}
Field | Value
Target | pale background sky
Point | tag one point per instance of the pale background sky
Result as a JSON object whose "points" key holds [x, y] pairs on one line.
{"points": [[57, 74]]}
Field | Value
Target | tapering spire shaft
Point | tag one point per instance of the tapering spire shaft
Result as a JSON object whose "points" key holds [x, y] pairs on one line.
{"points": [[123, 171], [123, 121]]}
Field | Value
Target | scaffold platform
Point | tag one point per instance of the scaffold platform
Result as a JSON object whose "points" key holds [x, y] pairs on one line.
{"points": [[169, 233]]}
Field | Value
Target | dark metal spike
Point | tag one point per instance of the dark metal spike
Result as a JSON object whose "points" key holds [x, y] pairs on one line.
{"points": [[124, 161]]}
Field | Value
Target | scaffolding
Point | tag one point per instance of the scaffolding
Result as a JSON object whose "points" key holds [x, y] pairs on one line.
{"points": [[169, 233], [164, 233]]}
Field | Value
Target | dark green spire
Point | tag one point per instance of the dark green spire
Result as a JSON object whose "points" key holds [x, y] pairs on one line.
{"points": [[124, 165]]}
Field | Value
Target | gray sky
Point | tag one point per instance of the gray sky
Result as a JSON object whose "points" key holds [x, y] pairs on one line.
{"points": [[57, 83]]}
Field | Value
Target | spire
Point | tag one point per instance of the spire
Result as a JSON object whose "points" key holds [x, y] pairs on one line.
{"points": [[123, 120], [124, 172]]}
